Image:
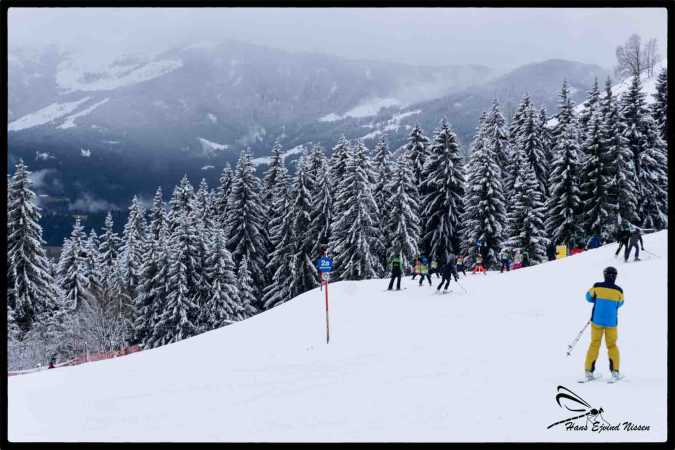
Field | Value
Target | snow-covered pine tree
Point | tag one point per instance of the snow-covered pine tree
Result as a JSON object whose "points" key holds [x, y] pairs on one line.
{"points": [[108, 251], [653, 179], [485, 211], [382, 170], [607, 100], [497, 136], [91, 269], [595, 178], [338, 160], [32, 288], [280, 263], [223, 305], [202, 205], [526, 217], [660, 105], [354, 228], [321, 214], [649, 157], [563, 206], [179, 316], [133, 241], [305, 275], [417, 150], [157, 215], [247, 230], [546, 139], [589, 107], [623, 184], [247, 296], [442, 195], [565, 114], [530, 142], [182, 201], [151, 301], [518, 120], [275, 170], [402, 211], [71, 270], [222, 195]]}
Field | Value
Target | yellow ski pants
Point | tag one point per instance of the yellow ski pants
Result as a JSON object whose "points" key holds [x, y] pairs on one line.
{"points": [[611, 335]]}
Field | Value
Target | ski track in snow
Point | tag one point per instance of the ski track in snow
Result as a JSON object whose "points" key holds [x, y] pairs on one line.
{"points": [[410, 366]]}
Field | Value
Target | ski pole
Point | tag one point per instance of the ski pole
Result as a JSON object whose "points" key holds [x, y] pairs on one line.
{"points": [[576, 339]]}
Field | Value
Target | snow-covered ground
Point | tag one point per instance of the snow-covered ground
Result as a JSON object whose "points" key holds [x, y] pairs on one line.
{"points": [[369, 107], [481, 366], [70, 120]]}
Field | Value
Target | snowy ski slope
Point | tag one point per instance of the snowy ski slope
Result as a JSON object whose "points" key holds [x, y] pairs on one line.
{"points": [[401, 366]]}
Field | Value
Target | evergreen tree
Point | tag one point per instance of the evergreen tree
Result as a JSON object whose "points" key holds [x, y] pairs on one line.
{"points": [[31, 287], [181, 202], [589, 107], [247, 230], [383, 174], [222, 195], [108, 250], [417, 151], [178, 320], [354, 228], [131, 253], [223, 305], [280, 264], [247, 296], [497, 136], [660, 105], [564, 204], [305, 275], [530, 142], [157, 217], [338, 161], [595, 179], [152, 297], [518, 120], [525, 218], [443, 201], [203, 207], [565, 115], [623, 185], [402, 211], [275, 170], [485, 215], [71, 270], [649, 158], [321, 213]]}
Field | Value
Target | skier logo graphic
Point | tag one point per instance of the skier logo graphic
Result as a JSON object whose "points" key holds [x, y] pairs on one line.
{"points": [[570, 401]]}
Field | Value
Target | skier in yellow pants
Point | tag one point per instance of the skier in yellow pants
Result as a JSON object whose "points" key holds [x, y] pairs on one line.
{"points": [[607, 298]]}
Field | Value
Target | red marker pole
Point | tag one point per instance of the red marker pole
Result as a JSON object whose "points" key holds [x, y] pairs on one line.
{"points": [[327, 327]]}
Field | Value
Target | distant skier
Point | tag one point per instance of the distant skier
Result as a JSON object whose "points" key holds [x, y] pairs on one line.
{"points": [[461, 264], [417, 265], [550, 250], [517, 260], [505, 259], [607, 298], [526, 259], [396, 271], [478, 265], [434, 269], [594, 242], [622, 237], [635, 237], [448, 270], [424, 270]]}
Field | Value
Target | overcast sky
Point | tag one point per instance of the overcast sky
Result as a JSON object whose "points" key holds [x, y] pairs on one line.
{"points": [[498, 37]]}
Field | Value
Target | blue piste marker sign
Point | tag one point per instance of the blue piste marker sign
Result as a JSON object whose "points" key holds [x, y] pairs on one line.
{"points": [[325, 264]]}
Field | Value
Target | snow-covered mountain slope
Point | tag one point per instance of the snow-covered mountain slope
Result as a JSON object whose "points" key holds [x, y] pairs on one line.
{"points": [[401, 366]]}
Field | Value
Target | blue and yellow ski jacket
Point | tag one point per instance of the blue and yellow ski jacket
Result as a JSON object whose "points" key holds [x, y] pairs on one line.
{"points": [[607, 298]]}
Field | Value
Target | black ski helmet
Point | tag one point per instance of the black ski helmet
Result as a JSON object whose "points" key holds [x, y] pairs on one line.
{"points": [[610, 273]]}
